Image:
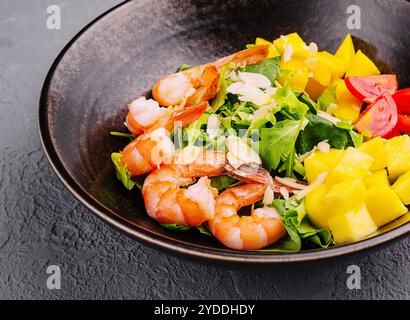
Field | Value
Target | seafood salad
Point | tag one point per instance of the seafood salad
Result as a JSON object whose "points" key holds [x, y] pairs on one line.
{"points": [[280, 147]]}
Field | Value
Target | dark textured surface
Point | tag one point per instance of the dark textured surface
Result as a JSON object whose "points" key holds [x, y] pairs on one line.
{"points": [[42, 224], [120, 56]]}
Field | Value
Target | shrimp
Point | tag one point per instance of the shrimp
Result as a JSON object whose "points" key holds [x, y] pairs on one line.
{"points": [[147, 115], [168, 203], [201, 83], [154, 146], [262, 228]]}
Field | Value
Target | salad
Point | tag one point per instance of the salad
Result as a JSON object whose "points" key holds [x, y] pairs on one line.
{"points": [[277, 148]]}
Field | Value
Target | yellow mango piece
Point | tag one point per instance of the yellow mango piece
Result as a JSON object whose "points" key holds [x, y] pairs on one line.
{"points": [[298, 75], [398, 156], [346, 50], [377, 177], [273, 51], [348, 106], [321, 69], [319, 162], [361, 65], [402, 188], [344, 196], [299, 47], [375, 149], [353, 164], [314, 206], [338, 67], [352, 226], [384, 204], [346, 112]]}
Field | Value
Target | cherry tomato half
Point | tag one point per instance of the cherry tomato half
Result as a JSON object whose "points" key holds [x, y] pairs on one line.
{"points": [[379, 118], [369, 88], [403, 123], [393, 133], [402, 99]]}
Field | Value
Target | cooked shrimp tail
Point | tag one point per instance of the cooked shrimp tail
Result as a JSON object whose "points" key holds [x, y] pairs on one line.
{"points": [[168, 202], [155, 147], [201, 83], [262, 228]]}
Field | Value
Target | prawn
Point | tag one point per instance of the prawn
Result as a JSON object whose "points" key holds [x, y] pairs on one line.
{"points": [[154, 146], [262, 228], [167, 202], [147, 115], [201, 83]]}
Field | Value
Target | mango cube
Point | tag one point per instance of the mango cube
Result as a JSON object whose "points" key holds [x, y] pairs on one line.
{"points": [[314, 206], [346, 50], [375, 149], [352, 226], [273, 51], [344, 196], [314, 89], [361, 65], [319, 162], [337, 67], [384, 204], [298, 75], [321, 68], [398, 156], [353, 164], [299, 48], [402, 188], [377, 177], [348, 106]]}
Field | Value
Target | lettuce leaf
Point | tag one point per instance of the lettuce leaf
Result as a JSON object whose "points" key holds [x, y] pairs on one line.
{"points": [[269, 68], [291, 106], [121, 171], [300, 231]]}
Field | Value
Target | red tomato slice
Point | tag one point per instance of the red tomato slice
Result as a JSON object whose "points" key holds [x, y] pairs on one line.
{"points": [[393, 133], [369, 88], [379, 118], [402, 99], [403, 123]]}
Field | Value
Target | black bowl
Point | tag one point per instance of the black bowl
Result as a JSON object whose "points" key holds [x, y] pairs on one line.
{"points": [[119, 57]]}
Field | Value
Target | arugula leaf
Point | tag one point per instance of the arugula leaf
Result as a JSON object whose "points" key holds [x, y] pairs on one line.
{"points": [[222, 94], [320, 129], [327, 98], [203, 229], [223, 182], [192, 132], [123, 135], [175, 227], [121, 171], [277, 143], [309, 102], [269, 68], [184, 67]]}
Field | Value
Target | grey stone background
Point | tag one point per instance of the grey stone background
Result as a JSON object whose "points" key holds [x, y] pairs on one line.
{"points": [[41, 223]]}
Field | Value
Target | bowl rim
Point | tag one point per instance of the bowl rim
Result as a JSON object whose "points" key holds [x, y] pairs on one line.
{"points": [[169, 244]]}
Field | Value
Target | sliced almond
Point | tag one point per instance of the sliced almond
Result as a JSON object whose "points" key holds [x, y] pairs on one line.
{"points": [[255, 79], [188, 154]]}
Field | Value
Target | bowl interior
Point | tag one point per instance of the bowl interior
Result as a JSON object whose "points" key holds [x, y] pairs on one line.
{"points": [[119, 57]]}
